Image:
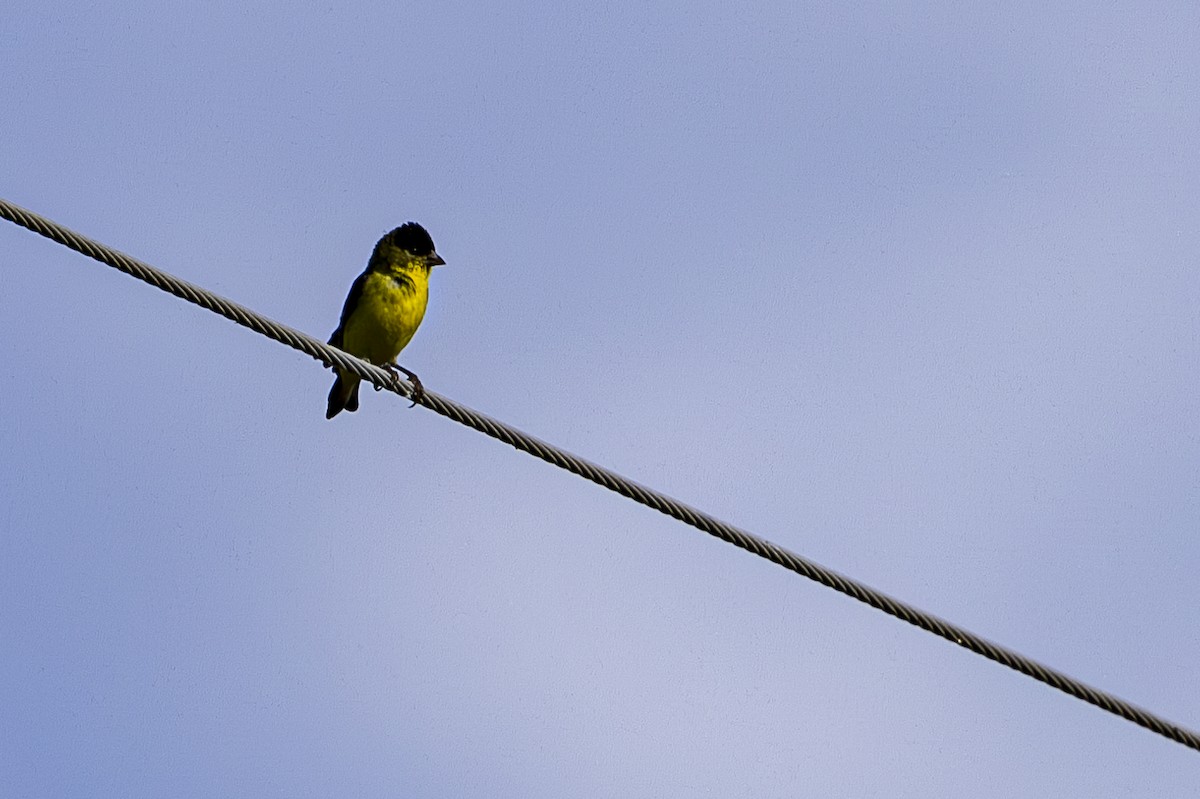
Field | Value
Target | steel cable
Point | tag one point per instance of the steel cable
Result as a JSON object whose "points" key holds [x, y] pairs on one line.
{"points": [[597, 474]]}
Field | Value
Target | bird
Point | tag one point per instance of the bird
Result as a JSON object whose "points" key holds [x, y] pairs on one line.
{"points": [[383, 310]]}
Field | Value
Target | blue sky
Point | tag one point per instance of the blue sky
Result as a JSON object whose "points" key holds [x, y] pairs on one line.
{"points": [[910, 289]]}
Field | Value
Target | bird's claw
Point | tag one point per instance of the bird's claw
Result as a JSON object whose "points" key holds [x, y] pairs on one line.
{"points": [[418, 390]]}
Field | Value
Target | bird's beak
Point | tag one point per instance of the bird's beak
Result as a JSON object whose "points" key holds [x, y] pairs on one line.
{"points": [[435, 260]]}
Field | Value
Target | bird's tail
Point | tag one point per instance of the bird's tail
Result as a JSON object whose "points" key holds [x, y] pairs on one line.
{"points": [[343, 396]]}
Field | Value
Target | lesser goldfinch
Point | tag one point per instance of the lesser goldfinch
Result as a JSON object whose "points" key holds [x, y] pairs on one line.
{"points": [[384, 309]]}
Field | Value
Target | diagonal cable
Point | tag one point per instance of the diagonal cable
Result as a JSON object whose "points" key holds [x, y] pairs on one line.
{"points": [[597, 474]]}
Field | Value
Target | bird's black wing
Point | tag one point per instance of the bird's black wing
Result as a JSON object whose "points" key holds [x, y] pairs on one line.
{"points": [[352, 299]]}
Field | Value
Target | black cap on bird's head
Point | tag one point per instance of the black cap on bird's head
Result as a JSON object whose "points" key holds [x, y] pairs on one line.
{"points": [[413, 238]]}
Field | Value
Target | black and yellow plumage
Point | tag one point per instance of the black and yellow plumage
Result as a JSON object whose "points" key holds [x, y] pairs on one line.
{"points": [[384, 309]]}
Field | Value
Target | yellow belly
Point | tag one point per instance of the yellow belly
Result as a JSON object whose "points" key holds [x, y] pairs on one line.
{"points": [[388, 314]]}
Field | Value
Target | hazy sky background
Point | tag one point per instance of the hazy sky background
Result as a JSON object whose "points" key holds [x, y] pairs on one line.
{"points": [[909, 288]]}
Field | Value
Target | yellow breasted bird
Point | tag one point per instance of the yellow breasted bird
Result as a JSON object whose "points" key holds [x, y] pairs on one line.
{"points": [[384, 309]]}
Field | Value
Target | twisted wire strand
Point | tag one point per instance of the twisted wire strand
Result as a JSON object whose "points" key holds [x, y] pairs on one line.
{"points": [[329, 355]]}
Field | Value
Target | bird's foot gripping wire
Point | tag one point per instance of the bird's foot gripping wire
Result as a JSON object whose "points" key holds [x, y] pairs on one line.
{"points": [[418, 390]]}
